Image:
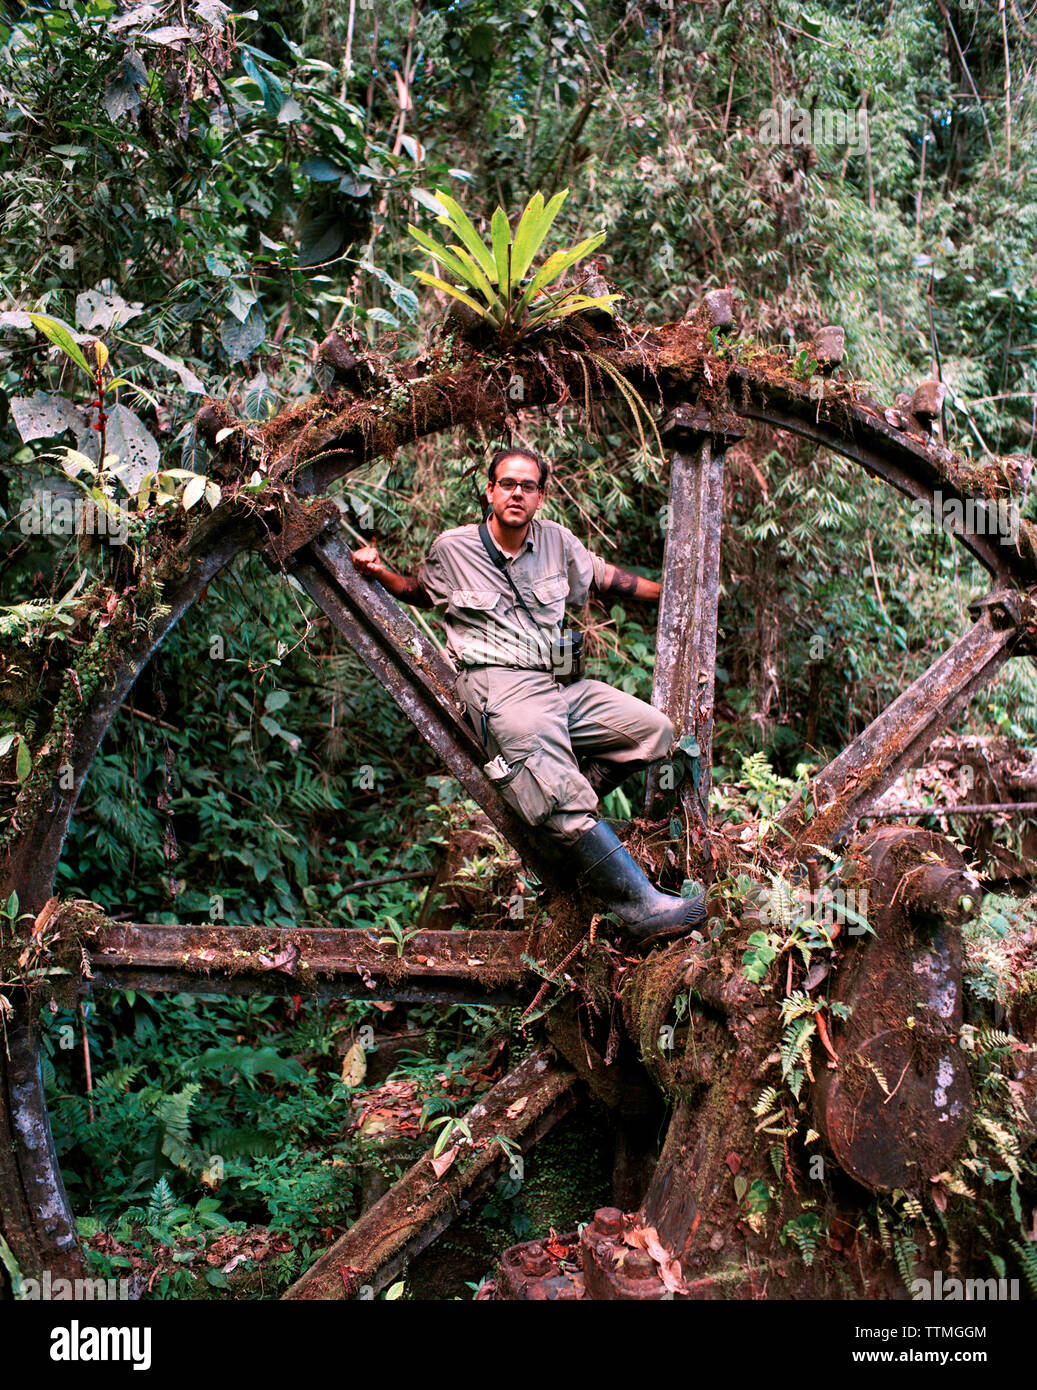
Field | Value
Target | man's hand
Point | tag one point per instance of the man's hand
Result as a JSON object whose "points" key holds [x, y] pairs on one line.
{"points": [[408, 590], [621, 581], [369, 562]]}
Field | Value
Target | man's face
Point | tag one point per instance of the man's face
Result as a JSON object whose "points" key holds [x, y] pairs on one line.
{"points": [[514, 505]]}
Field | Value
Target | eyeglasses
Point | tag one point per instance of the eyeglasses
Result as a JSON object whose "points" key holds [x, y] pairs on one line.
{"points": [[510, 484]]}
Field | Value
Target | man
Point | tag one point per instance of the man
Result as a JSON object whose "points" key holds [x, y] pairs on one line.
{"points": [[555, 749]]}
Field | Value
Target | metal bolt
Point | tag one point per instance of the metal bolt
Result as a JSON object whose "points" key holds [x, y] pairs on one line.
{"points": [[639, 1265], [609, 1220], [927, 401], [536, 1260]]}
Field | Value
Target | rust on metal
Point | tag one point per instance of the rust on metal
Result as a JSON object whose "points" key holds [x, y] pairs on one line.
{"points": [[534, 1273], [686, 638], [898, 737], [896, 1108], [483, 966], [299, 524], [828, 346]]}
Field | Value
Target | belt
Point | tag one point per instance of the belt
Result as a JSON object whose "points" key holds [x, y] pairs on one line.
{"points": [[504, 666]]}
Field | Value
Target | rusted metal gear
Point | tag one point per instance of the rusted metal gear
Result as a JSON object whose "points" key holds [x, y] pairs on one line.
{"points": [[896, 1107]]}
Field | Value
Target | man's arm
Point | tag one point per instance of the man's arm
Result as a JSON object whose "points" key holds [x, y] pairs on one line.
{"points": [[405, 587], [621, 581]]}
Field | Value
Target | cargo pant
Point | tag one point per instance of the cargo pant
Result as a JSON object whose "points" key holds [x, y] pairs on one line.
{"points": [[541, 728]]}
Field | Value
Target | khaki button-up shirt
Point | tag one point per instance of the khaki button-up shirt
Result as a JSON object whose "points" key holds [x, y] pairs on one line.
{"points": [[486, 625]]}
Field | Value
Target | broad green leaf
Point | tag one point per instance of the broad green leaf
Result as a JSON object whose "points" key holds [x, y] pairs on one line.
{"points": [[187, 378], [477, 278], [192, 492], [444, 257], [458, 220], [427, 200], [23, 760], [572, 305], [533, 227], [43, 415], [62, 338], [449, 289], [556, 264], [500, 233]]}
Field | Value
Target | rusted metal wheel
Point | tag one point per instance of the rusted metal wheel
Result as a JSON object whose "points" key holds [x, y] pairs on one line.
{"points": [[36, 1219]]}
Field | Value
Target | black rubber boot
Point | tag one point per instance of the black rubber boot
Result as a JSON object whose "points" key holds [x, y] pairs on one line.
{"points": [[608, 870]]}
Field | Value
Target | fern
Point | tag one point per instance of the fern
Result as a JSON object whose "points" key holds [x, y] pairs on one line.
{"points": [[795, 1043], [119, 1079], [248, 1062], [1028, 1259], [768, 1101], [243, 1143], [797, 1005], [905, 1252], [804, 1231], [174, 1111], [1006, 1144], [161, 1201], [993, 1040]]}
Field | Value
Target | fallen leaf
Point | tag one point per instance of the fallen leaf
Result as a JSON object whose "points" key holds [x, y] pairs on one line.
{"points": [[556, 1247], [443, 1162], [517, 1108], [284, 960], [354, 1065], [46, 913], [647, 1238]]}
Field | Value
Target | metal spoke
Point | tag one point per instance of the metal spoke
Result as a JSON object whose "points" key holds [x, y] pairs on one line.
{"points": [[686, 640], [522, 1107], [482, 967], [844, 789]]}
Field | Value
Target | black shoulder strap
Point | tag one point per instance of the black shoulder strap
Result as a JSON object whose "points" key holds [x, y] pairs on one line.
{"points": [[498, 559]]}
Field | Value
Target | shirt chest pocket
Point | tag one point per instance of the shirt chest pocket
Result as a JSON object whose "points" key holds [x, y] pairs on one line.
{"points": [[473, 602], [550, 594]]}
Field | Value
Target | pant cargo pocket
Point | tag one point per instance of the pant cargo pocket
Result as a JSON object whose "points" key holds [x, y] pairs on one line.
{"points": [[526, 786]]}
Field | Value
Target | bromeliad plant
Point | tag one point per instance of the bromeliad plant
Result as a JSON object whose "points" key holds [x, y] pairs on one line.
{"points": [[513, 299]]}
